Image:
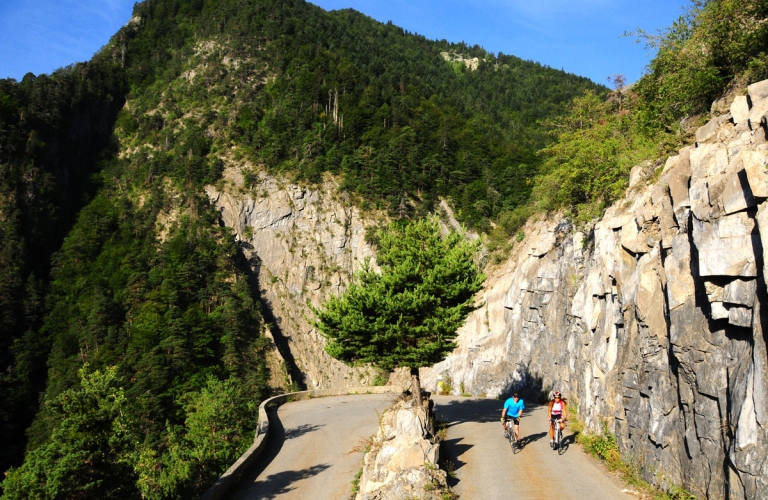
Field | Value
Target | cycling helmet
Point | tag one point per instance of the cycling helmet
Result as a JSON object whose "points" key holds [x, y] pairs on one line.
{"points": [[557, 394]]}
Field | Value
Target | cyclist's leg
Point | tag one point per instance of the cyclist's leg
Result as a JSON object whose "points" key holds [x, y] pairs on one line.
{"points": [[551, 429], [517, 428]]}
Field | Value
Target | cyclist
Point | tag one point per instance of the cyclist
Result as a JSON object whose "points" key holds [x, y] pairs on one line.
{"points": [[513, 410], [556, 410]]}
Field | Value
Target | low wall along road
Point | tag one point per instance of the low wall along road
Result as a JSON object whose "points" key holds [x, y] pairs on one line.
{"points": [[309, 453], [230, 480]]}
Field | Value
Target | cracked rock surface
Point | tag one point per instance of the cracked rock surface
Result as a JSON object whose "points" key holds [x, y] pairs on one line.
{"points": [[652, 319], [302, 245]]}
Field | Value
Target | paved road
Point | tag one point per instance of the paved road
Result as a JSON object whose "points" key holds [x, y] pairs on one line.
{"points": [[486, 467], [310, 450]]}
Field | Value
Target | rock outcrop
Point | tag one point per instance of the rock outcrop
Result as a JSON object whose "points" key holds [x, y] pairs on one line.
{"points": [[402, 461], [652, 319], [303, 245]]}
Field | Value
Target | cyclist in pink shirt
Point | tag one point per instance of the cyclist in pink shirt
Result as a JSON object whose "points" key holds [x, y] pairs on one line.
{"points": [[557, 410]]}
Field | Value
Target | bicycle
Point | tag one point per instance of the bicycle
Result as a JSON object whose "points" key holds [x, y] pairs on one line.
{"points": [[558, 443], [509, 434]]}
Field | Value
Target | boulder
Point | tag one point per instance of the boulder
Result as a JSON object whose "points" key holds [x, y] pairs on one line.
{"points": [[736, 194], [758, 91], [740, 292], [762, 222], [719, 311], [699, 195], [709, 159], [678, 179], [714, 291], [740, 316], [708, 131], [677, 266], [725, 247], [740, 109], [758, 94], [633, 238], [755, 164]]}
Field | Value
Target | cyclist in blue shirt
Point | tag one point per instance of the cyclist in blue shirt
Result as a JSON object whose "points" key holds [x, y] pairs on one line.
{"points": [[513, 410]]}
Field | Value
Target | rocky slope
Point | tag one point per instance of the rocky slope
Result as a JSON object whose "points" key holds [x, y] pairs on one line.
{"points": [[303, 245], [403, 455], [652, 319]]}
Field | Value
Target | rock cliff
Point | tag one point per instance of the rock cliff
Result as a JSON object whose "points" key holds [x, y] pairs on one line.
{"points": [[651, 319], [303, 245]]}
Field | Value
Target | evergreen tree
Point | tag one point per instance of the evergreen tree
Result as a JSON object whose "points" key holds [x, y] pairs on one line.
{"points": [[86, 456], [406, 314]]}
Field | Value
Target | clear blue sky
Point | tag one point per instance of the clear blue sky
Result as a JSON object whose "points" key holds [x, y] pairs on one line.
{"points": [[579, 36]]}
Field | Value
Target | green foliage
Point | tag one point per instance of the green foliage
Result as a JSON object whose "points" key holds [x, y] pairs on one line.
{"points": [[381, 378], [338, 92], [445, 386], [86, 456], [220, 419], [587, 168], [708, 47], [407, 314], [714, 44], [95, 451]]}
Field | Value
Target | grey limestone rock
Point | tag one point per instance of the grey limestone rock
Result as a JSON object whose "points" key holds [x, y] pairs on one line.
{"points": [[655, 326]]}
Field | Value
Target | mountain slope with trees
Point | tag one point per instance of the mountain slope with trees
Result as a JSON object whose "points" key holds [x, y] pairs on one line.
{"points": [[119, 284]]}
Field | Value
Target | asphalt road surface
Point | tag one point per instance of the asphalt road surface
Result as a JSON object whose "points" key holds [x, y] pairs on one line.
{"points": [[310, 453], [486, 467]]}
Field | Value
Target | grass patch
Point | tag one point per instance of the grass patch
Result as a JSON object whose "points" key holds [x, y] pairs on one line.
{"points": [[356, 483], [445, 386]]}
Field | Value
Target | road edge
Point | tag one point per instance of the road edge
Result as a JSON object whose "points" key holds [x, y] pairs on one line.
{"points": [[229, 480]]}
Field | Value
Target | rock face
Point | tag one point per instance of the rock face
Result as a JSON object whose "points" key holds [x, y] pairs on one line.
{"points": [[402, 462], [652, 320], [303, 245]]}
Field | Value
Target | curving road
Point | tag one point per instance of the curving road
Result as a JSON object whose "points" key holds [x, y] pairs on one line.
{"points": [[486, 467], [310, 453]]}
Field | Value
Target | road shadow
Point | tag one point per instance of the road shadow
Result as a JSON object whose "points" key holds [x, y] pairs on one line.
{"points": [[532, 438], [456, 411], [452, 450], [282, 482], [275, 441], [300, 430]]}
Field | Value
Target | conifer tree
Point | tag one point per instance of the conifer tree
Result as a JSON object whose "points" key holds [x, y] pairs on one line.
{"points": [[406, 314]]}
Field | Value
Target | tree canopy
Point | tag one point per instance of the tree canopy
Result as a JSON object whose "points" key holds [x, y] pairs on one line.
{"points": [[407, 313]]}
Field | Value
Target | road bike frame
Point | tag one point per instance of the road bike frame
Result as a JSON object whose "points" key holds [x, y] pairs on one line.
{"points": [[509, 432], [558, 437]]}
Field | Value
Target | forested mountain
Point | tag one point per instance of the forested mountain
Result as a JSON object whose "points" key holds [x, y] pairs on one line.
{"points": [[128, 321]]}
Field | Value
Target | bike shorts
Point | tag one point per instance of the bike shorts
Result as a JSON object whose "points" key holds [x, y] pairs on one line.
{"points": [[555, 418], [514, 420]]}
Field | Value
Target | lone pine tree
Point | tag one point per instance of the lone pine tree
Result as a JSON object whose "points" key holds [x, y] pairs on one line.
{"points": [[405, 315]]}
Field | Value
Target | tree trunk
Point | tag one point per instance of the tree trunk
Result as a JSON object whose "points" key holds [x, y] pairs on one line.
{"points": [[416, 386]]}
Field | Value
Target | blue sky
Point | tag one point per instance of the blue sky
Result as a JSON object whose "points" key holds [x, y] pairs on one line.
{"points": [[579, 36]]}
